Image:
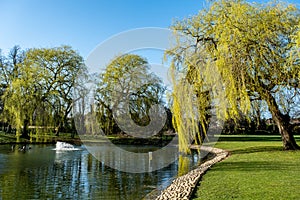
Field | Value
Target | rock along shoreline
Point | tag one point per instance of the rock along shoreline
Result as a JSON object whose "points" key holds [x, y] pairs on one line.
{"points": [[183, 187]]}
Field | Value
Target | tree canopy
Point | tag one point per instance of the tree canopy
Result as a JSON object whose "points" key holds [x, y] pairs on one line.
{"points": [[235, 52], [126, 90], [40, 92]]}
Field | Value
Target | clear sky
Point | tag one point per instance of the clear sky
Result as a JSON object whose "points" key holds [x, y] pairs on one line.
{"points": [[83, 24]]}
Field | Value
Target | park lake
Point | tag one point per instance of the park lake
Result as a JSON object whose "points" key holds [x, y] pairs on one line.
{"points": [[44, 172]]}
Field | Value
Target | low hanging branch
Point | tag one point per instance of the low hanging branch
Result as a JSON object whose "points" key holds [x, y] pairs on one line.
{"points": [[253, 48]]}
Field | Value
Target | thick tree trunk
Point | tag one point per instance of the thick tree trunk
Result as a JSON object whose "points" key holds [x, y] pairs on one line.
{"points": [[287, 137], [283, 123]]}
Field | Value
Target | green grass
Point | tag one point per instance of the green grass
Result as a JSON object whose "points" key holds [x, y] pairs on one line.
{"points": [[255, 170]]}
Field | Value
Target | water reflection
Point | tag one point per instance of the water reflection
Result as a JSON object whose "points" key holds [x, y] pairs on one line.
{"points": [[134, 159], [41, 173]]}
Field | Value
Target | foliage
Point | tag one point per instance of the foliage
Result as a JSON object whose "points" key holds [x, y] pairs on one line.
{"points": [[9, 71], [250, 49], [41, 93], [127, 80]]}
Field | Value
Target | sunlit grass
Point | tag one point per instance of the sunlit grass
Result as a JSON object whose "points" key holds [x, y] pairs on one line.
{"points": [[255, 170]]}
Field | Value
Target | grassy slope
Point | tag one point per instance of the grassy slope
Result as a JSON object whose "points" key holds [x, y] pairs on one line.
{"points": [[255, 170]]}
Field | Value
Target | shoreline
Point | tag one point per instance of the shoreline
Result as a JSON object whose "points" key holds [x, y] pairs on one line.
{"points": [[80, 140], [184, 186]]}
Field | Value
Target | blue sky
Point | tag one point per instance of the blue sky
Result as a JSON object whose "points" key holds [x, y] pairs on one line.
{"points": [[83, 24]]}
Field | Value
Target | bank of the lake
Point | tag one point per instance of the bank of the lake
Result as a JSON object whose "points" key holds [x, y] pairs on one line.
{"points": [[79, 140], [45, 139], [183, 186], [257, 168]]}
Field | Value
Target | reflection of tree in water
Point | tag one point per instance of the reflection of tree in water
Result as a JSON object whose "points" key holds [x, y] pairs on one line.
{"points": [[183, 165], [41, 173], [187, 162], [74, 175]]}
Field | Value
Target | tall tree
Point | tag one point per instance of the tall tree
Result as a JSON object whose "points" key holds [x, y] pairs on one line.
{"points": [[250, 47], [61, 66], [41, 94], [3, 81], [127, 78], [9, 70]]}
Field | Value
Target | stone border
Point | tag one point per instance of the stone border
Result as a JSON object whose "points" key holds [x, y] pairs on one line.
{"points": [[183, 186]]}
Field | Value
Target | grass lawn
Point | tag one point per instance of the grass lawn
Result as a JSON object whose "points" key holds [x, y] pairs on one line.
{"points": [[255, 170]]}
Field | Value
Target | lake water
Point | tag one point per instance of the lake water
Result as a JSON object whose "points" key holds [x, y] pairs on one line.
{"points": [[43, 173]]}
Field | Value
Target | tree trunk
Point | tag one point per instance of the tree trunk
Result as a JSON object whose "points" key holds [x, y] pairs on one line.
{"points": [[25, 129], [287, 137], [283, 123]]}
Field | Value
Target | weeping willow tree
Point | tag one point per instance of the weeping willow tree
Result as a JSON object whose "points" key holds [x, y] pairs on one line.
{"points": [[41, 94], [235, 52], [127, 79], [8, 72], [22, 98]]}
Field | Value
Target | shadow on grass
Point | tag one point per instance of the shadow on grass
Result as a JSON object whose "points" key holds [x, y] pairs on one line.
{"points": [[257, 149], [250, 138], [254, 166], [255, 162]]}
